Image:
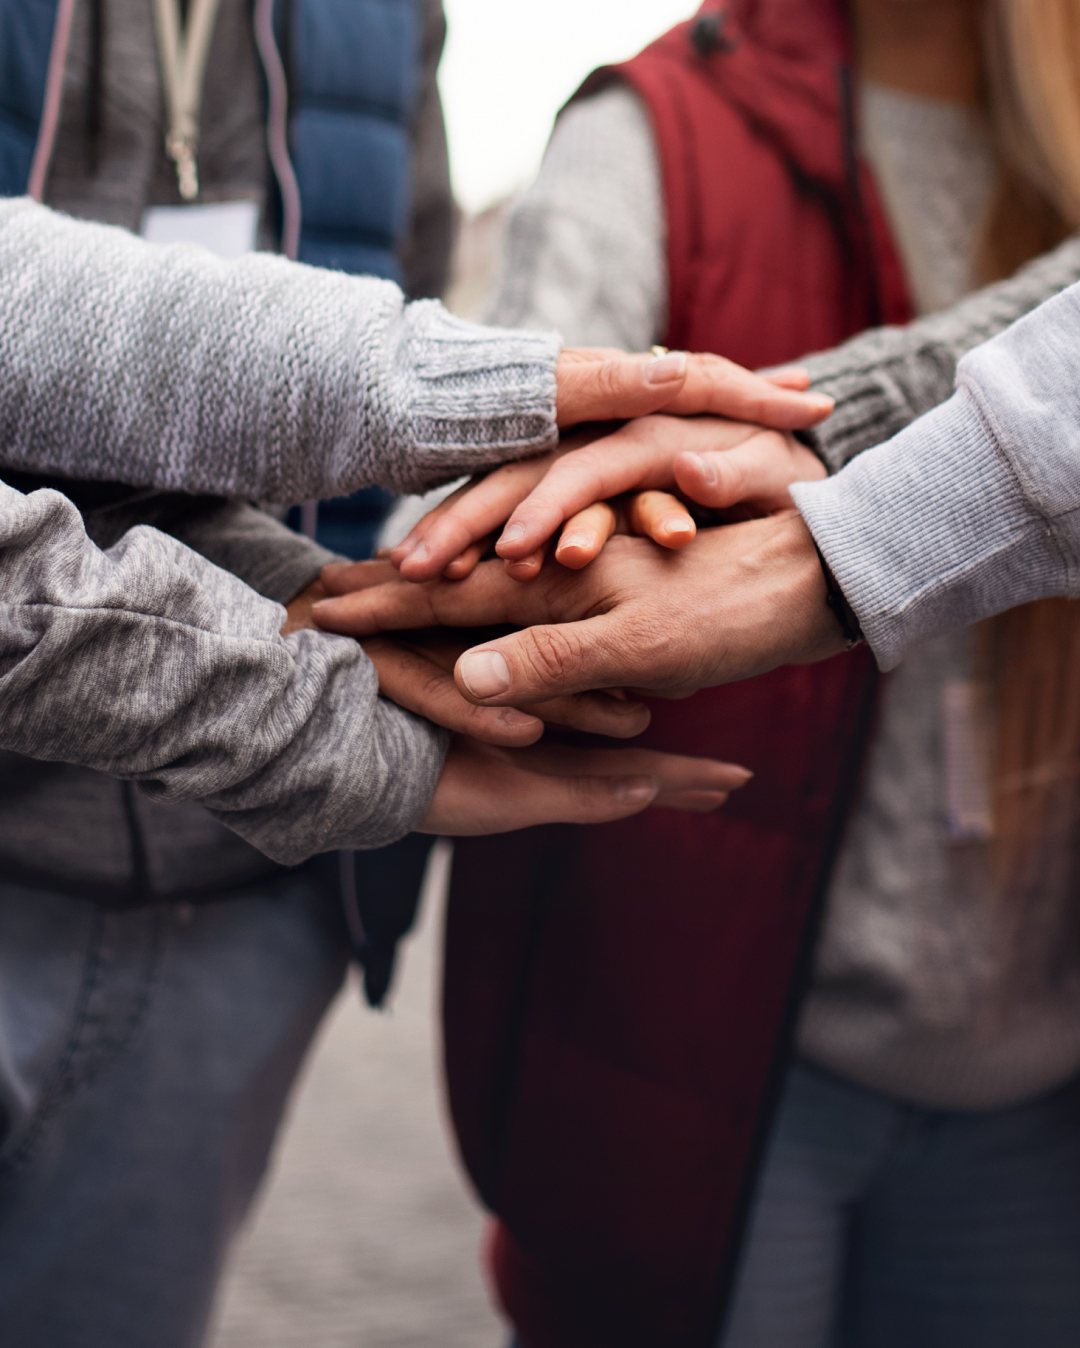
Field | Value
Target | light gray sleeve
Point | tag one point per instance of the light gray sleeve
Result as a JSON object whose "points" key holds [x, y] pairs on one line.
{"points": [[585, 249], [261, 378], [267, 555], [884, 379], [973, 509], [146, 662]]}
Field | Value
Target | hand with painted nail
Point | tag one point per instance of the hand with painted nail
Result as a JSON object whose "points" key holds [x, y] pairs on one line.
{"points": [[624, 481], [488, 790], [463, 528], [746, 598]]}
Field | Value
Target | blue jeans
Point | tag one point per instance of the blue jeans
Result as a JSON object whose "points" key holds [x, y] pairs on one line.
{"points": [[881, 1225], [145, 1063]]}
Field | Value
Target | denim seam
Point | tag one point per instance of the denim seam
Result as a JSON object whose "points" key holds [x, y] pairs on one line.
{"points": [[69, 1075]]}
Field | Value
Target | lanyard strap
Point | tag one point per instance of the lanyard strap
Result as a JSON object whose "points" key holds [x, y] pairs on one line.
{"points": [[183, 55]]}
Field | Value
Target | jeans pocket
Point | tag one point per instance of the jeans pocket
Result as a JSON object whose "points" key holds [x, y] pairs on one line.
{"points": [[75, 983]]}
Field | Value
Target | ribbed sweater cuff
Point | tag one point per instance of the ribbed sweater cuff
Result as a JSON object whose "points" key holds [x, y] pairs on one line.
{"points": [[480, 396], [931, 532], [863, 418]]}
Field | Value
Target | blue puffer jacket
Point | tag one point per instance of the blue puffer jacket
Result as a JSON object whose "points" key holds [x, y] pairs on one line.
{"points": [[351, 68]]}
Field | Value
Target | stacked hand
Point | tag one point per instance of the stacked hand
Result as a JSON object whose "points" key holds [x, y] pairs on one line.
{"points": [[591, 485], [745, 598]]}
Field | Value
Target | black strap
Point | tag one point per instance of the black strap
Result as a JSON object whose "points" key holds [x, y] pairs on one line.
{"points": [[838, 605]]}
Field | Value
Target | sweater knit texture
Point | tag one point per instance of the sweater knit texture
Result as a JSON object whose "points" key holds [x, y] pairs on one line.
{"points": [[171, 371]]}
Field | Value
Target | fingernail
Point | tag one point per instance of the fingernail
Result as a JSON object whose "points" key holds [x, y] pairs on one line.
{"points": [[582, 541], [333, 568], [705, 468], [421, 553], [323, 606], [741, 776], [516, 720], [667, 369], [636, 790], [513, 533], [678, 524], [821, 402], [485, 673]]}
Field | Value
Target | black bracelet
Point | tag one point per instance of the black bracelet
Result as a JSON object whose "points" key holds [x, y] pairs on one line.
{"points": [[839, 606]]}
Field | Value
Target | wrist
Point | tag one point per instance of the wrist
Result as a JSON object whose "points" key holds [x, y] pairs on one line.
{"points": [[793, 623]]}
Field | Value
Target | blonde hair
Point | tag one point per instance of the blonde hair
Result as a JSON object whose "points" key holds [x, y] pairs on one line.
{"points": [[1033, 653]]}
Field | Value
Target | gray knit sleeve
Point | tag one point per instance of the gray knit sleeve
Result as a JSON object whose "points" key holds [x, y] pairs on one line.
{"points": [[585, 249], [146, 662], [885, 379], [261, 378]]}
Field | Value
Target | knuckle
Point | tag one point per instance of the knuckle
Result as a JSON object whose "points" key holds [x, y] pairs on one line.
{"points": [[610, 378], [588, 794], [549, 653], [434, 686]]}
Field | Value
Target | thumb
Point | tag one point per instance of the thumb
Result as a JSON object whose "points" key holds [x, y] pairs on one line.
{"points": [[617, 387], [544, 661]]}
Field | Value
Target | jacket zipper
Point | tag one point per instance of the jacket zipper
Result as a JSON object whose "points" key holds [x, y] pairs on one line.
{"points": [[853, 174], [54, 88], [277, 133], [277, 138]]}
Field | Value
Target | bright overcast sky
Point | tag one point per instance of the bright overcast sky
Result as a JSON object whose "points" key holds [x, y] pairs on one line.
{"points": [[511, 64]]}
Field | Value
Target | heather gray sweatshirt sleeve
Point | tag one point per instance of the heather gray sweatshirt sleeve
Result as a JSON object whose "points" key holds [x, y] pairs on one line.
{"points": [[973, 509], [169, 368], [147, 662], [886, 378]]}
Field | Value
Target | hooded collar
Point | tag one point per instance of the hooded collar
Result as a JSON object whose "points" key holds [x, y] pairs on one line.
{"points": [[789, 27]]}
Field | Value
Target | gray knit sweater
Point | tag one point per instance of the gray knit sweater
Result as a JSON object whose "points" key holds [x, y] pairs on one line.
{"points": [[918, 991], [170, 369]]}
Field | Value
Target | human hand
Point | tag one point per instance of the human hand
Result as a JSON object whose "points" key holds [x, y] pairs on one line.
{"points": [[488, 790], [416, 670], [457, 533], [746, 598], [715, 463], [599, 384], [298, 610]]}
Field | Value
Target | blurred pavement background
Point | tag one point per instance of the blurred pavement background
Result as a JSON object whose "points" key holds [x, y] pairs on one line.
{"points": [[366, 1237]]}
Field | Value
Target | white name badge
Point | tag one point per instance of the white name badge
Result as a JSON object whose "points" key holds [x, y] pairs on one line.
{"points": [[227, 228]]}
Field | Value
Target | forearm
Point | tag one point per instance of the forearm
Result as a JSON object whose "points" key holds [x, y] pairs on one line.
{"points": [[260, 378], [147, 662], [266, 554], [883, 380], [973, 509]]}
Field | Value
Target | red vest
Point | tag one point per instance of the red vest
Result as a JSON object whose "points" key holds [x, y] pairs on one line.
{"points": [[619, 1000]]}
